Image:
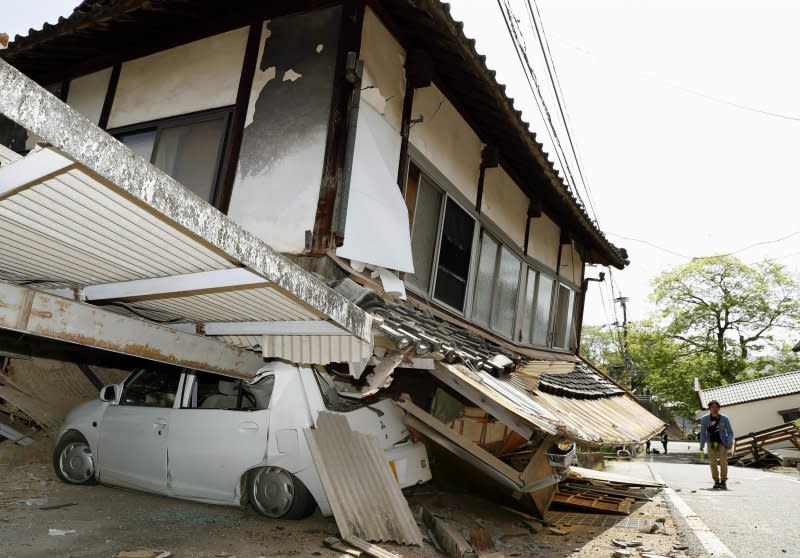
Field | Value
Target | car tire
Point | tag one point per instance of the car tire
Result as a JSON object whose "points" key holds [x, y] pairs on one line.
{"points": [[73, 461], [278, 494]]}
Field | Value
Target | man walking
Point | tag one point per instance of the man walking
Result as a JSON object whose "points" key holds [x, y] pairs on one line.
{"points": [[715, 428]]}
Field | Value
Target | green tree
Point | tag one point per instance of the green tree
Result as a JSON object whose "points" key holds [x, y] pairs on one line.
{"points": [[726, 313], [601, 347]]}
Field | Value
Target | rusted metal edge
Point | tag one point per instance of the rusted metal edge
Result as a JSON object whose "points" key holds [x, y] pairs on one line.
{"points": [[37, 313], [35, 109]]}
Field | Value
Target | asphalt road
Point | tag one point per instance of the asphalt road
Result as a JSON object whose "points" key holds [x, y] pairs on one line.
{"points": [[757, 517]]}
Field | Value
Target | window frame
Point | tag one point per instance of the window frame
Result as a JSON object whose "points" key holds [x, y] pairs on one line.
{"points": [[160, 124], [482, 222]]}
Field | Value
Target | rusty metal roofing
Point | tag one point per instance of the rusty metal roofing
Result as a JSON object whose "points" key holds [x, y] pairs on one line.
{"points": [[610, 420], [363, 492], [89, 216], [96, 29], [752, 390]]}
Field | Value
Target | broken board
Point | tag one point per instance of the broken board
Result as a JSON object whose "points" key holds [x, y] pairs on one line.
{"points": [[592, 501], [590, 475]]}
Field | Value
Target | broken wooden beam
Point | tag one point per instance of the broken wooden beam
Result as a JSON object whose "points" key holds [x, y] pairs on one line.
{"points": [[446, 536]]}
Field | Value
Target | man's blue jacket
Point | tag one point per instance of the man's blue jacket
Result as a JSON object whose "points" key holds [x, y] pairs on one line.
{"points": [[725, 430]]}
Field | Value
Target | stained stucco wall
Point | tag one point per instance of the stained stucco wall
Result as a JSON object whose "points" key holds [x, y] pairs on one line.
{"points": [[758, 415], [88, 93], [383, 85], [571, 263], [446, 140], [505, 204], [279, 171], [196, 76], [543, 241]]}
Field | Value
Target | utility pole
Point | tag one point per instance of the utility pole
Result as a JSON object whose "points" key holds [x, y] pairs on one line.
{"points": [[626, 355]]}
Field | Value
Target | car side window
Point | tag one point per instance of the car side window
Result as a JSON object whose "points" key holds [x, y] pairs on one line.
{"points": [[210, 391], [150, 388]]}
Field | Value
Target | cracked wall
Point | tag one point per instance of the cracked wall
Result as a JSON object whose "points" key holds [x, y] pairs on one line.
{"points": [[279, 172]]}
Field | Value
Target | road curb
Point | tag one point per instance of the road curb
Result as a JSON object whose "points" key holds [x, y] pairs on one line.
{"points": [[705, 537]]}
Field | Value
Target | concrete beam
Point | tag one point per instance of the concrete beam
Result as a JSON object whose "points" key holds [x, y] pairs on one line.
{"points": [[37, 313], [311, 327]]}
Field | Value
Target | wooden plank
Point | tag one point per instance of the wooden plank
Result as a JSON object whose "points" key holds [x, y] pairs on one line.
{"points": [[595, 502], [448, 537], [580, 473], [369, 548]]}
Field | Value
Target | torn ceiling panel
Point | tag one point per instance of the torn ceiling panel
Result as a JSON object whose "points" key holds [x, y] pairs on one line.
{"points": [[89, 216]]}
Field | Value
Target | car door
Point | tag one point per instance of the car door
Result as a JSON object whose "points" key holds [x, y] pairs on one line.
{"points": [[218, 432], [132, 446]]}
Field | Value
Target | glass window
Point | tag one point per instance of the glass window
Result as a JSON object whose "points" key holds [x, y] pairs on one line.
{"points": [[151, 388], [191, 153], [424, 232], [541, 321], [530, 300], [455, 253], [484, 282], [504, 301], [564, 317], [189, 149], [210, 391]]}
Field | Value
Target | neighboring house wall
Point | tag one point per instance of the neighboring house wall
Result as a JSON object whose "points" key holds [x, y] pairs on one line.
{"points": [[759, 415], [196, 76], [279, 171]]}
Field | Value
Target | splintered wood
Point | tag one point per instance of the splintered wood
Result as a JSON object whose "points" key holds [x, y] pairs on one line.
{"points": [[592, 501]]}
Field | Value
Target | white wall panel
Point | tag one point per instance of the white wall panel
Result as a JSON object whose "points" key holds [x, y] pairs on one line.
{"points": [[88, 93], [505, 204], [544, 241], [196, 76], [384, 83]]}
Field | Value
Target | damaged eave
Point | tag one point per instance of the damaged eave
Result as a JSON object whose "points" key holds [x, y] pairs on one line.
{"points": [[108, 161]]}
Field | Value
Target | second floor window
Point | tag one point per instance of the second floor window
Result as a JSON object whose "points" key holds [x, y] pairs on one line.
{"points": [[189, 148], [442, 234], [496, 287]]}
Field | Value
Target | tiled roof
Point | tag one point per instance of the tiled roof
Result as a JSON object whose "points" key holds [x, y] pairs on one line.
{"points": [[581, 383], [752, 390]]}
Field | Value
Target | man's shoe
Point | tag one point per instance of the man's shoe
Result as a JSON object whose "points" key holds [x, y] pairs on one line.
{"points": [[723, 485], [717, 485]]}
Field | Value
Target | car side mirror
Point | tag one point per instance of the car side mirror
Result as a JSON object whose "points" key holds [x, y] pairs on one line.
{"points": [[109, 393]]}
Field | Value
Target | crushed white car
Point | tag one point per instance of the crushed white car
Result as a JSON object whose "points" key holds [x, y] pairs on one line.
{"points": [[214, 439]]}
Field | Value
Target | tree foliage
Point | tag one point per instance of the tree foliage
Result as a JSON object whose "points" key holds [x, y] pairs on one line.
{"points": [[718, 320]]}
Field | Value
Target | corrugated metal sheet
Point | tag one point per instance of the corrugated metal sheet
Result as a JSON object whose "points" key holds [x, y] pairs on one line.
{"points": [[92, 213], [363, 492], [613, 420], [752, 390], [315, 348]]}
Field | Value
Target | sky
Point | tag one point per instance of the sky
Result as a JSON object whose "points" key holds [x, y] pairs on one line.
{"points": [[685, 116]]}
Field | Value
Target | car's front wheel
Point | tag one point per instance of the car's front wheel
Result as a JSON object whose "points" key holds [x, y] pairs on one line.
{"points": [[278, 494], [73, 460]]}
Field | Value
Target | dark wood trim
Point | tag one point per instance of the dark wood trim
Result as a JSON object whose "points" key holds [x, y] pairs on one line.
{"points": [[489, 160], [338, 124], [479, 195], [111, 92], [236, 134], [528, 218], [64, 93], [405, 128]]}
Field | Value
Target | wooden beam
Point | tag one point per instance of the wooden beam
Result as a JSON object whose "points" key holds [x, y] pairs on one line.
{"points": [[108, 102]]}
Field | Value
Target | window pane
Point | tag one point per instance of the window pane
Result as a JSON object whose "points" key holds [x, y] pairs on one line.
{"points": [[423, 233], [563, 317], [504, 301], [191, 154], [151, 388], [542, 318], [485, 280], [530, 300], [454, 256], [141, 143]]}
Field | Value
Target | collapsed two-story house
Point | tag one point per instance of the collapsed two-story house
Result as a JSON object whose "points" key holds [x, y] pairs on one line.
{"points": [[368, 145]]}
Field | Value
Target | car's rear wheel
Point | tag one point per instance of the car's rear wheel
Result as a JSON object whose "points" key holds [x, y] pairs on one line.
{"points": [[73, 460], [278, 494]]}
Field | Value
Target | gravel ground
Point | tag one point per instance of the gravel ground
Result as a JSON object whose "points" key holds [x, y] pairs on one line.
{"points": [[108, 520]]}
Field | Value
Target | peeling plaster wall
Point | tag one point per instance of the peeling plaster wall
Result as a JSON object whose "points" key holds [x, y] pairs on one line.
{"points": [[571, 263], [280, 165], [505, 204], [446, 140], [87, 94], [383, 86], [196, 76], [544, 241]]}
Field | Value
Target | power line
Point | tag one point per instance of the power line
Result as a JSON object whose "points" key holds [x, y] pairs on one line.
{"points": [[559, 94], [533, 83], [732, 253]]}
